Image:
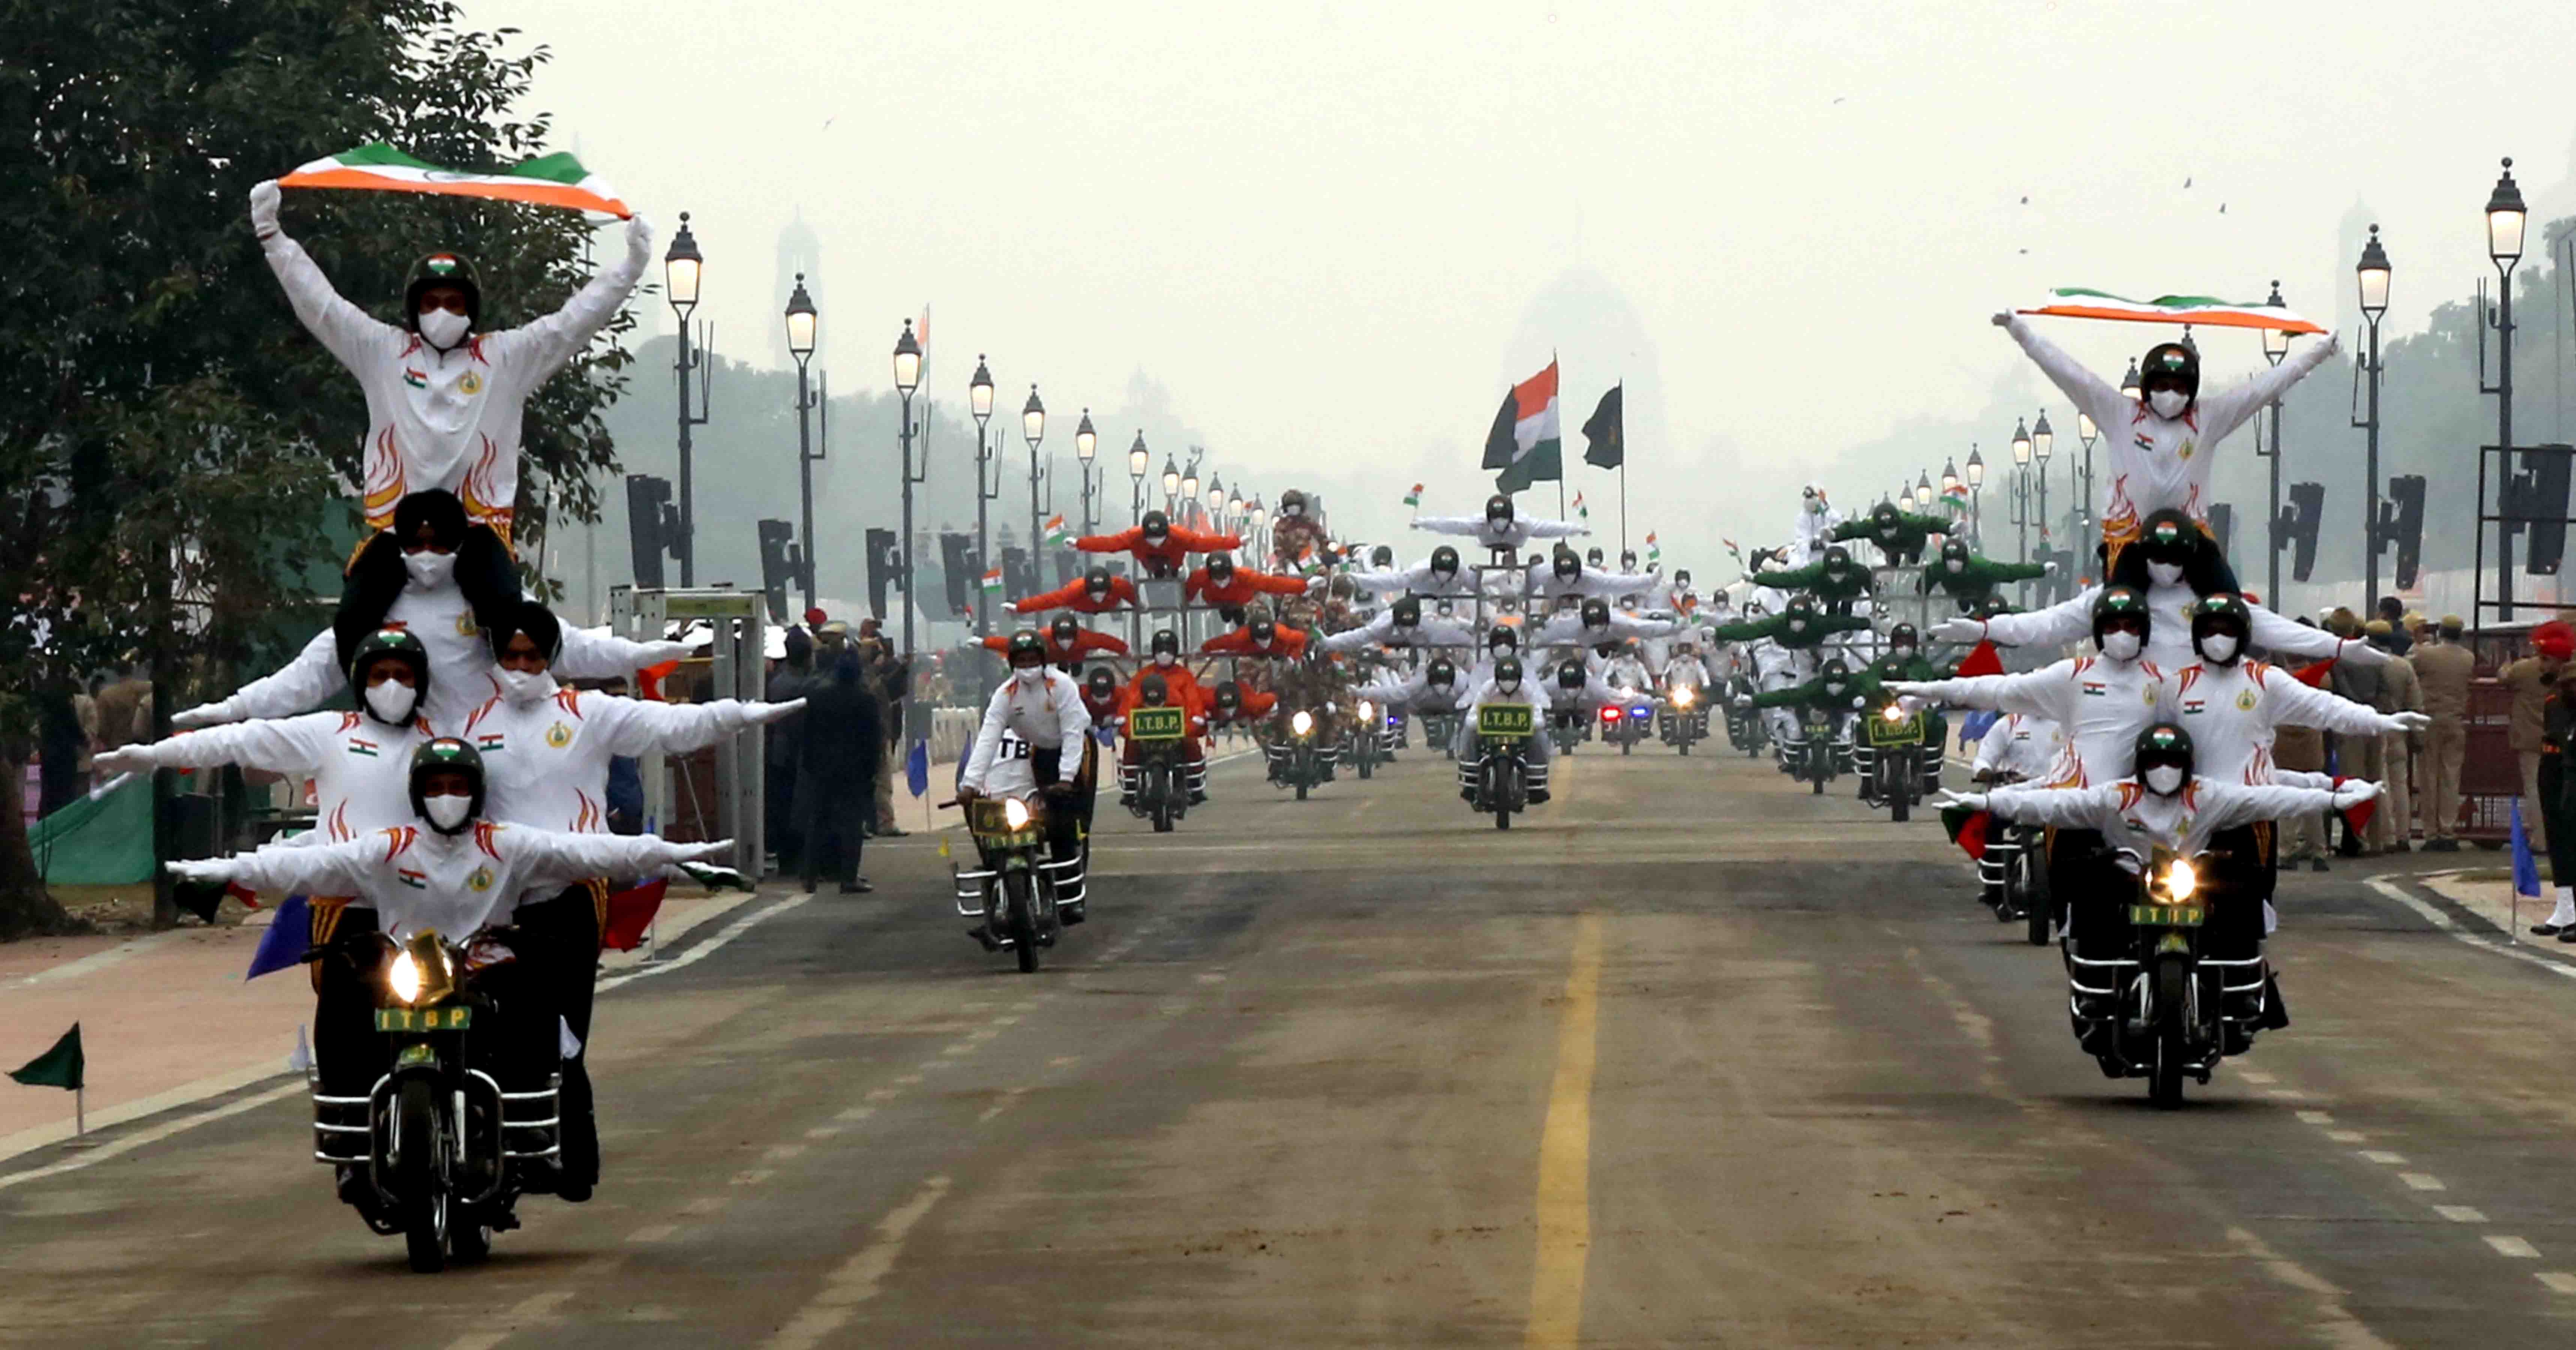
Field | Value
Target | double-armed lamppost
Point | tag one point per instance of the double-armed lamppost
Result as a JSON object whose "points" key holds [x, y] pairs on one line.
{"points": [[907, 377], [979, 401], [802, 325], [682, 267]]}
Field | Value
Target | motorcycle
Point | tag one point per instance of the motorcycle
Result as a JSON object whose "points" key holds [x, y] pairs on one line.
{"points": [[1891, 764], [1162, 773], [1625, 725], [1297, 761], [1685, 720], [1565, 730], [1440, 730], [1367, 742], [438, 1151], [2165, 1009], [1814, 758], [1744, 726], [1499, 781], [1012, 895], [2014, 872]]}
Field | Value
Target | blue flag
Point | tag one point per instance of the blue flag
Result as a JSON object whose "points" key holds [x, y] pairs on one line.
{"points": [[2526, 871], [282, 946], [1974, 726], [916, 768]]}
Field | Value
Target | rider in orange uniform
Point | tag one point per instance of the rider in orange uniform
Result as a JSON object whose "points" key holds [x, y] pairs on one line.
{"points": [[1159, 547]]}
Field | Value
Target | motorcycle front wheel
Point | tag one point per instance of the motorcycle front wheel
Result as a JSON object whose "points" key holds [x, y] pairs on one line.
{"points": [[420, 1174], [1899, 794], [1020, 895], [2165, 1089], [2031, 888]]}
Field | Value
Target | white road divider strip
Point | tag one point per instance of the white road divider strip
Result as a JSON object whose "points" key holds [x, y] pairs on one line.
{"points": [[2501, 946]]}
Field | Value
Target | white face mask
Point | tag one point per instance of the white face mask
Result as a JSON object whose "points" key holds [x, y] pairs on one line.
{"points": [[429, 571], [2165, 574], [1954, 564], [525, 687], [2168, 403], [1028, 675], [2219, 647], [1164, 658], [1797, 625], [2121, 645], [1508, 686], [392, 703], [443, 328], [1500, 650], [447, 812], [2164, 780]]}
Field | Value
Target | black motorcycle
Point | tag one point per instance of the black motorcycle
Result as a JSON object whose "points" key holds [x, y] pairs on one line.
{"points": [[1296, 760], [1685, 718], [1499, 780], [1815, 758], [1366, 743], [1161, 785], [1625, 724], [439, 1151], [1012, 895], [2164, 1008], [1745, 729], [2013, 872], [1440, 731], [1891, 764]]}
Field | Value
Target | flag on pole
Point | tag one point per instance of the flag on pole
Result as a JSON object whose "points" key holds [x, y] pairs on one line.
{"points": [[281, 947], [1055, 531], [2526, 869], [993, 581], [1654, 551], [59, 1067], [1605, 435], [916, 768], [1581, 512], [630, 912], [1414, 498], [548, 180], [1956, 495], [1525, 442], [2077, 302]]}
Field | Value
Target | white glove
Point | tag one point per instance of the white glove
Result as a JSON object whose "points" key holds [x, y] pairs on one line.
{"points": [[701, 852], [123, 759], [2406, 721], [1913, 689], [1959, 630], [208, 870], [2334, 343], [714, 878], [204, 715], [2361, 653], [263, 208], [763, 714], [2049, 568], [2354, 794], [1974, 801], [639, 234]]}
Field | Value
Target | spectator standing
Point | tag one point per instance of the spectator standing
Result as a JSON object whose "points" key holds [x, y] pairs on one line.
{"points": [[792, 679], [2358, 756], [2530, 680], [2443, 666], [888, 677], [2399, 691], [843, 732]]}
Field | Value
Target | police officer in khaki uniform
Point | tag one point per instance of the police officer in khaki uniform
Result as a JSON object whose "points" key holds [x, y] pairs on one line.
{"points": [[2443, 665], [2399, 691]]}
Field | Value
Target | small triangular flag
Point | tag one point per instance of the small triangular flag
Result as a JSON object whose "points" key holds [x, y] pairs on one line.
{"points": [[59, 1067], [1981, 660]]}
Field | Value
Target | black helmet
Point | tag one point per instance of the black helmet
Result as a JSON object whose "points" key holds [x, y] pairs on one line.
{"points": [[1592, 556], [1025, 642], [1506, 634], [1889, 667], [2221, 613], [1220, 568], [1955, 551], [1156, 526], [1837, 560], [2121, 607], [1100, 682], [1498, 508], [1596, 613], [1569, 676], [1229, 696], [1444, 560], [1799, 609], [446, 754], [2167, 535], [1441, 671], [1534, 559], [1835, 674], [2163, 745], [1152, 691], [1406, 612], [1883, 517], [1095, 582], [1164, 640], [1262, 629], [1568, 566], [1292, 503], [1507, 671], [1904, 635], [1606, 650], [1628, 560], [2170, 364], [1681, 577], [1066, 629], [442, 269], [1382, 556], [390, 644]]}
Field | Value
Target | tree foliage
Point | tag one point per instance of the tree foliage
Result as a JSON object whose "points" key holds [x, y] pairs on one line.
{"points": [[173, 445]]}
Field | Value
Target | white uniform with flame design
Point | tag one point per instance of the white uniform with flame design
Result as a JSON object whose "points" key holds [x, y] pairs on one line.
{"points": [[361, 768], [418, 878], [2231, 712], [2101, 704], [2131, 817]]}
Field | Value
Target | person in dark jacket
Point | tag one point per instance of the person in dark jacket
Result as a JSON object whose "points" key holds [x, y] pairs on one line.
{"points": [[793, 678], [843, 731]]}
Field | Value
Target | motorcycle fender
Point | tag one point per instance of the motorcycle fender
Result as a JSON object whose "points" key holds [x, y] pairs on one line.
{"points": [[418, 1054], [2173, 942]]}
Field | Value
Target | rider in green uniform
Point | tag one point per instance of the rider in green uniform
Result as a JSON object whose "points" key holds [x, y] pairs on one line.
{"points": [[1797, 627], [1969, 579], [1834, 579], [1899, 534]]}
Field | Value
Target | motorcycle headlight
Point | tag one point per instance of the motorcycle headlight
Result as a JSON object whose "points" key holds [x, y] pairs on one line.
{"points": [[1303, 723], [1894, 712], [1367, 709], [405, 978], [2181, 879], [1682, 697], [1015, 813]]}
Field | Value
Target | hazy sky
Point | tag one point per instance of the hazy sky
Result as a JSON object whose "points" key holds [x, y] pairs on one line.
{"points": [[1324, 226]]}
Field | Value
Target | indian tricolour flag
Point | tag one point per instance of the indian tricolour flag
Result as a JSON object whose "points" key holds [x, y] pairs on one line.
{"points": [[548, 180], [1956, 495], [993, 581], [1055, 531], [1581, 512], [1414, 498], [1525, 442], [2077, 302], [1654, 551]]}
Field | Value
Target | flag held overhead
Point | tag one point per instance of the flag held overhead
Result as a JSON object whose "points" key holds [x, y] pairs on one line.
{"points": [[548, 180], [2077, 302]]}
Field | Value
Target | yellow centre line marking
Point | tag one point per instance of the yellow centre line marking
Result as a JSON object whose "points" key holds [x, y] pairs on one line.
{"points": [[1565, 1154]]}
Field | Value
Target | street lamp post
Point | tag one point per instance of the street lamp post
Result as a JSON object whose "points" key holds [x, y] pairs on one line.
{"points": [[801, 324], [2088, 433], [1137, 462], [1086, 446], [907, 377], [979, 402], [1033, 429], [1171, 481], [2276, 345], [682, 267], [2505, 217], [2372, 275], [1976, 497], [2042, 442], [2021, 493]]}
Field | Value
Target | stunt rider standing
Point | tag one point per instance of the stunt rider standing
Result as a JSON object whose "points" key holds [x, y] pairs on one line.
{"points": [[1037, 715]]}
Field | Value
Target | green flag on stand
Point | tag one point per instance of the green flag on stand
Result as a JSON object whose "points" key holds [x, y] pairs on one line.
{"points": [[59, 1067]]}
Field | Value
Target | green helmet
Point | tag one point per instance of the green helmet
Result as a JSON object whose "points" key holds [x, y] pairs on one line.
{"points": [[390, 644], [442, 269], [2122, 607], [446, 754]]}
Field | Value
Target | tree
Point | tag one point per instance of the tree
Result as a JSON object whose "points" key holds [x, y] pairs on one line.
{"points": [[171, 441]]}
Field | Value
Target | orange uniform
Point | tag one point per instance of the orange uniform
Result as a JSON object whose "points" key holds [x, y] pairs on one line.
{"points": [[1284, 641], [1072, 596], [1163, 559]]}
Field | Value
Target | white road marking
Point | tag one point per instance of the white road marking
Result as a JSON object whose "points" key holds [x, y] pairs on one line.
{"points": [[1009, 1097], [528, 1309], [782, 1152], [823, 1132], [2316, 1117], [858, 1113], [153, 1136], [2558, 1281], [705, 1204], [2501, 946], [94, 961], [2420, 1181], [653, 1232], [2514, 1247], [2285, 1094], [2346, 1136], [727, 934], [2460, 1213], [861, 1277], [2384, 1157], [752, 1176], [2256, 1077]]}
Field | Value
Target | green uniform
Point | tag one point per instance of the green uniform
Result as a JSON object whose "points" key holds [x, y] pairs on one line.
{"points": [[1776, 628], [1836, 593], [1977, 581], [1901, 539]]}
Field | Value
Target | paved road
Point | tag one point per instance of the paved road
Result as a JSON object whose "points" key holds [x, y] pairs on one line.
{"points": [[1691, 1057]]}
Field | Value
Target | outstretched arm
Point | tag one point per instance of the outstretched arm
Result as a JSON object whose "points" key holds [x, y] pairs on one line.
{"points": [[2072, 807], [637, 727], [554, 856], [2038, 693], [343, 868], [289, 745], [551, 341], [345, 330], [1471, 525], [1109, 543], [602, 656], [2288, 637], [2067, 621], [299, 686], [2297, 704], [1555, 529], [2228, 409]]}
